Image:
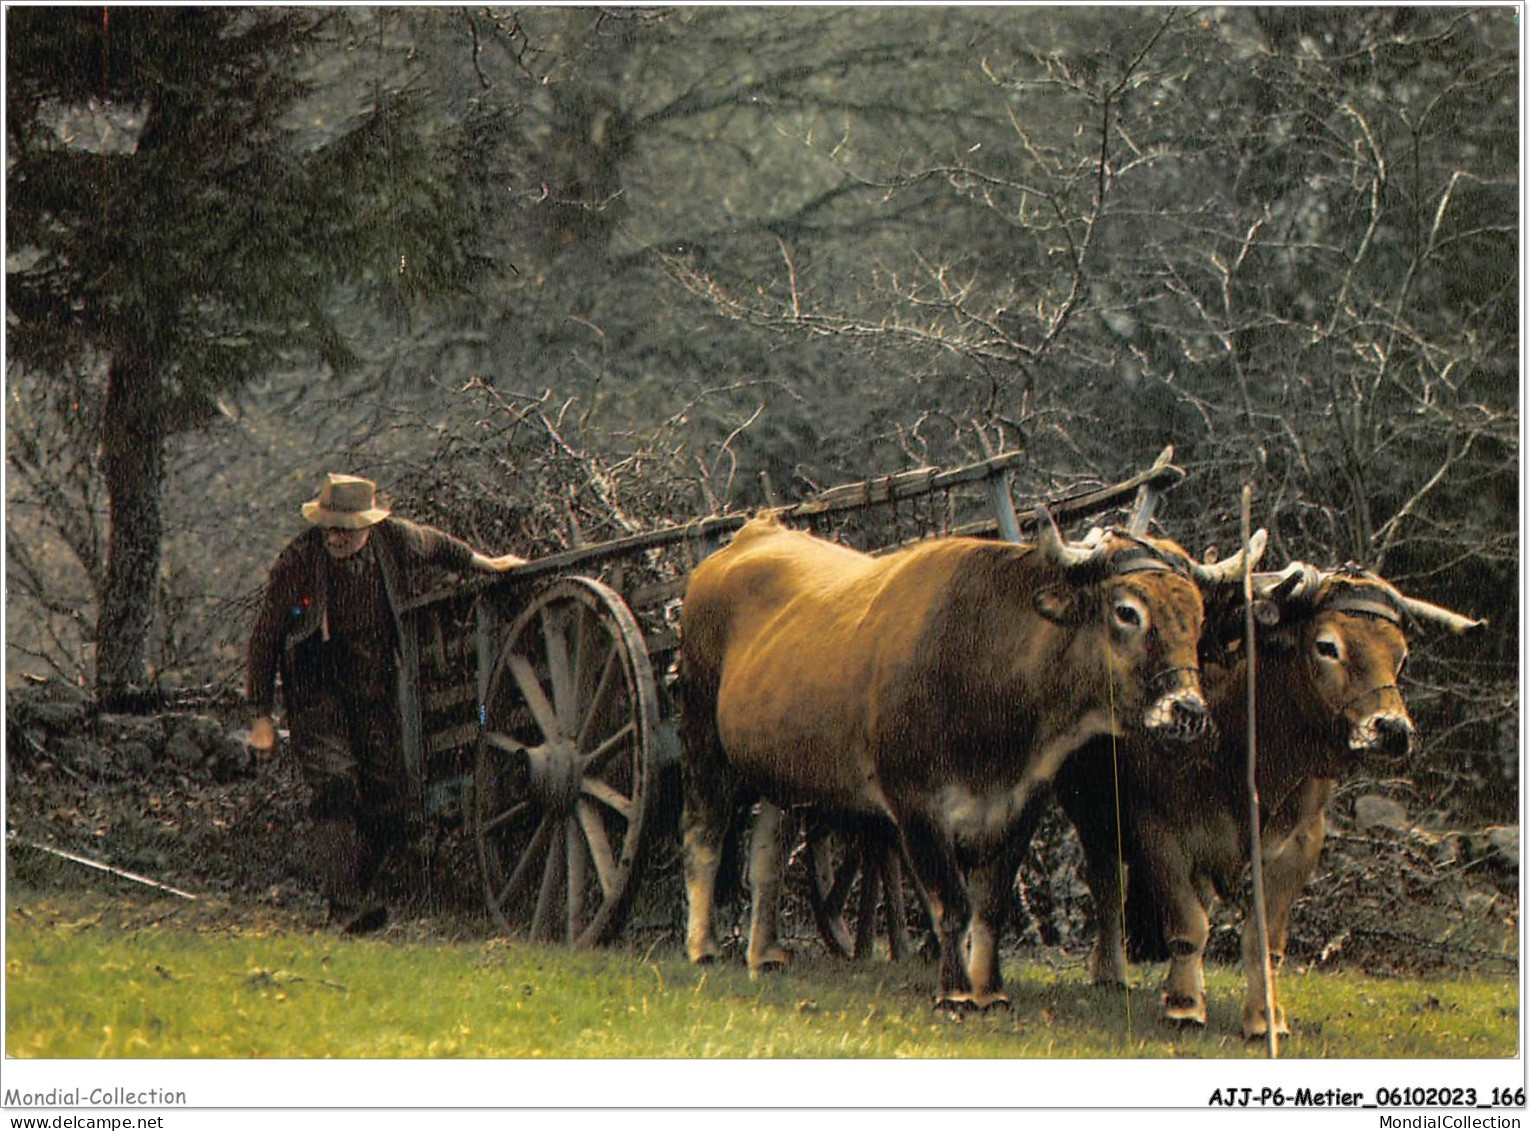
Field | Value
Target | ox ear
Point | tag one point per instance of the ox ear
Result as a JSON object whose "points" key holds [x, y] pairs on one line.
{"points": [[1060, 604], [1267, 612]]}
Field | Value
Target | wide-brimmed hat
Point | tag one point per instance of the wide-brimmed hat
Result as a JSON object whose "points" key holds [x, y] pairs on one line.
{"points": [[347, 502]]}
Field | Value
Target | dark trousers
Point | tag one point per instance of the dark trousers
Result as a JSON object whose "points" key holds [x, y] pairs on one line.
{"points": [[350, 752]]}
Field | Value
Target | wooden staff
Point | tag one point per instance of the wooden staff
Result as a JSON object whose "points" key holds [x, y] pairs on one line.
{"points": [[76, 858], [1261, 923]]}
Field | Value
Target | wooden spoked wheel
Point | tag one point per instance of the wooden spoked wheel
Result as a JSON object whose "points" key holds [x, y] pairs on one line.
{"points": [[565, 784], [858, 890]]}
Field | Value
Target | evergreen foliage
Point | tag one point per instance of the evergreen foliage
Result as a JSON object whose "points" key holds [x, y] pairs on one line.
{"points": [[181, 217]]}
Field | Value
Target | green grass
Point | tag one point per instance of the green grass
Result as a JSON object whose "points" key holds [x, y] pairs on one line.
{"points": [[98, 985]]}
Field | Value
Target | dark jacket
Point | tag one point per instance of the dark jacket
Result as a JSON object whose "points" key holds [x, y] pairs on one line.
{"points": [[288, 633]]}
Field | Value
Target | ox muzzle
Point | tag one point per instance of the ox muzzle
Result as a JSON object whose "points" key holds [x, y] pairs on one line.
{"points": [[1382, 732], [1179, 713], [1386, 729]]}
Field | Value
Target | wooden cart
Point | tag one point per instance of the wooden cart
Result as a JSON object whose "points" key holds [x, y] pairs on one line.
{"points": [[538, 705]]}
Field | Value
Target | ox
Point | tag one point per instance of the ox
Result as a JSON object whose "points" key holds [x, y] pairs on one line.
{"points": [[1327, 663], [935, 690]]}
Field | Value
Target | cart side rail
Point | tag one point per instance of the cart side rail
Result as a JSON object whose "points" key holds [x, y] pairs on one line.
{"points": [[848, 497]]}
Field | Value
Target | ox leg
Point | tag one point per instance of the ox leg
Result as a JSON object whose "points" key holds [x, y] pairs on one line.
{"points": [[1102, 872], [1184, 994], [703, 856], [933, 860], [989, 886], [1088, 788], [1286, 870], [1107, 959], [1186, 927], [765, 867], [708, 808]]}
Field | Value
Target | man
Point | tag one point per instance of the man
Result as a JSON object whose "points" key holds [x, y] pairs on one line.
{"points": [[329, 627]]}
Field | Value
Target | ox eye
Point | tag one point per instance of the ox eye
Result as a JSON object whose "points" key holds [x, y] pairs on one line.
{"points": [[1128, 615], [1402, 663], [1328, 649]]}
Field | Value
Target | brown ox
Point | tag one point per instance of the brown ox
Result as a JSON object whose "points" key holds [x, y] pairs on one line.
{"points": [[935, 690], [1330, 649]]}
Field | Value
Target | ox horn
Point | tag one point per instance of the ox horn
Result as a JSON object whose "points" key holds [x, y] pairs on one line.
{"points": [[1230, 571], [1431, 613], [1069, 555]]}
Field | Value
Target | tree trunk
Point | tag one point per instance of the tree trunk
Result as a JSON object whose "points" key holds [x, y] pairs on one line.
{"points": [[133, 436], [133, 467]]}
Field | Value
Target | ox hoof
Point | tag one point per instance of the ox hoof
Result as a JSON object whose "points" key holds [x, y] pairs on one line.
{"points": [[1184, 1011], [773, 960], [965, 1001], [957, 1002], [1257, 1026], [704, 954]]}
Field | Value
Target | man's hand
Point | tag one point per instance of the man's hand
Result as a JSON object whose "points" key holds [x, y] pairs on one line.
{"points": [[262, 734], [497, 565]]}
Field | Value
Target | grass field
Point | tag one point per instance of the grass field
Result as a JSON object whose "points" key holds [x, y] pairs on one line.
{"points": [[86, 979]]}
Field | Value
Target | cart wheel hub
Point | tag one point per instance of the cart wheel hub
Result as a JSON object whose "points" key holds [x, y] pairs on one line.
{"points": [[554, 775]]}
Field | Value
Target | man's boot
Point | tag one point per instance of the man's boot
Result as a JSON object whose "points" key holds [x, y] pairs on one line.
{"points": [[336, 858]]}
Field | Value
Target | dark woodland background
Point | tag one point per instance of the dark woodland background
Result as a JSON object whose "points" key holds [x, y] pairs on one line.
{"points": [[538, 270]]}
